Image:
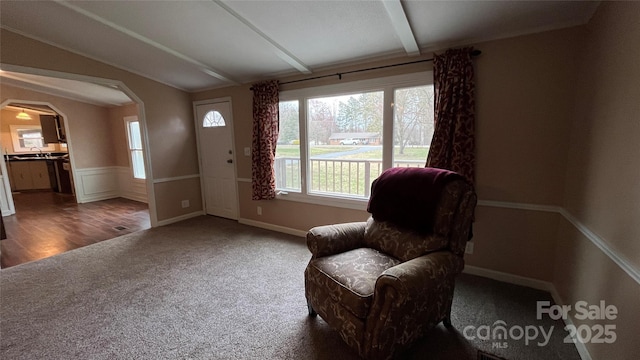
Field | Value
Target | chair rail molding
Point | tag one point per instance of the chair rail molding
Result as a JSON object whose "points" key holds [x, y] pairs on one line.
{"points": [[175, 178], [598, 241]]}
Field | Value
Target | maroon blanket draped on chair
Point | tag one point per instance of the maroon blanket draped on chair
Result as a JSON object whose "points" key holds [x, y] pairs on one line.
{"points": [[394, 194]]}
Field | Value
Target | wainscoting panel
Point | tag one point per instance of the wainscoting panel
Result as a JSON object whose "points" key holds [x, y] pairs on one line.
{"points": [[109, 182], [96, 184], [130, 188]]}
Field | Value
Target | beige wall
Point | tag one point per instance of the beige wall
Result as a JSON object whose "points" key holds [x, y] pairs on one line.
{"points": [[190, 191], [119, 141], [167, 114], [523, 106], [90, 132], [524, 88], [557, 128], [523, 102], [603, 176]]}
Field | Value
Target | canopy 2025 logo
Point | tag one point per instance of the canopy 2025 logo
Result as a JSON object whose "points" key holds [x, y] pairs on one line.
{"points": [[597, 334]]}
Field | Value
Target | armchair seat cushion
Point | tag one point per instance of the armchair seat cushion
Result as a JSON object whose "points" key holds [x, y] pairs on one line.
{"points": [[349, 278]]}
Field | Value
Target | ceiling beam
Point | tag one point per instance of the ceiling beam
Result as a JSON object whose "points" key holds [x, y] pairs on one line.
{"points": [[401, 25], [203, 67], [64, 91], [280, 50]]}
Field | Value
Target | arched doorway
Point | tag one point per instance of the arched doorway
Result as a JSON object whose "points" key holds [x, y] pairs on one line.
{"points": [[83, 181]]}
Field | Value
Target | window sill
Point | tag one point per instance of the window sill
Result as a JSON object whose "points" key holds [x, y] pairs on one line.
{"points": [[317, 199]]}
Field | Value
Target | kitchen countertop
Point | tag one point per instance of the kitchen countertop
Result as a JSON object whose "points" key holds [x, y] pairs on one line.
{"points": [[33, 157]]}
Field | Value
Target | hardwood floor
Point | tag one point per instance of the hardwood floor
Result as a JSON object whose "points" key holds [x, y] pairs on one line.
{"points": [[49, 223]]}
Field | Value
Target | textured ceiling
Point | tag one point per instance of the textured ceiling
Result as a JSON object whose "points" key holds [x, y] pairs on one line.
{"points": [[196, 45]]}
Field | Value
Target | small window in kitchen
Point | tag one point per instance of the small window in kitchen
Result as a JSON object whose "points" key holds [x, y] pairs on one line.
{"points": [[213, 119], [134, 140], [28, 138]]}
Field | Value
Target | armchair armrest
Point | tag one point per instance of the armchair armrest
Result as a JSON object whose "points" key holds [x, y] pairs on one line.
{"points": [[411, 278], [409, 298], [332, 239]]}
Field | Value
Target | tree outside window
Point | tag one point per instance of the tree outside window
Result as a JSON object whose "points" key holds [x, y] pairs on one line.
{"points": [[332, 146]]}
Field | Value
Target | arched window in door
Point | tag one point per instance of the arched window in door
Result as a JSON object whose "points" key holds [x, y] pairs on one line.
{"points": [[213, 119]]}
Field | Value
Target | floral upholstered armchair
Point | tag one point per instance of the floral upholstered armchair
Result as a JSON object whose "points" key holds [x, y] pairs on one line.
{"points": [[384, 282]]}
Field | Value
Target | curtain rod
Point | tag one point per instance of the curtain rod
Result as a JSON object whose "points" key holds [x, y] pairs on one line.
{"points": [[339, 75]]}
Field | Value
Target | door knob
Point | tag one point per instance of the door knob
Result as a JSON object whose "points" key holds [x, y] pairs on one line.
{"points": [[229, 161]]}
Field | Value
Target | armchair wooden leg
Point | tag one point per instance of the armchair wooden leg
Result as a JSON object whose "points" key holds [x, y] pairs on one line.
{"points": [[312, 313]]}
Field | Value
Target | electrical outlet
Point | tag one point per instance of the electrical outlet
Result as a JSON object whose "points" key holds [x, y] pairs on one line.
{"points": [[185, 204], [259, 210], [247, 151], [469, 248]]}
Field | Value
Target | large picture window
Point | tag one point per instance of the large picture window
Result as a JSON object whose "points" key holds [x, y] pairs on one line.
{"points": [[335, 140]]}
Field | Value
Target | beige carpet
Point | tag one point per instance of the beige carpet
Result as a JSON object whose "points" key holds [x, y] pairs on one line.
{"points": [[208, 288]]}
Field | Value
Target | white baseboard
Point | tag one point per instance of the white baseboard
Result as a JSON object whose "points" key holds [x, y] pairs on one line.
{"points": [[508, 278], [620, 259], [582, 348], [135, 197], [108, 182], [97, 197], [180, 218], [532, 283], [278, 228], [468, 269]]}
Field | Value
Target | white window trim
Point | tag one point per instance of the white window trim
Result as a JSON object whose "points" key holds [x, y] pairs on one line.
{"points": [[386, 84], [127, 120], [16, 139]]}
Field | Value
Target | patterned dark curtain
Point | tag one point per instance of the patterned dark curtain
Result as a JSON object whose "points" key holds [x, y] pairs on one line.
{"points": [[265, 137], [453, 143]]}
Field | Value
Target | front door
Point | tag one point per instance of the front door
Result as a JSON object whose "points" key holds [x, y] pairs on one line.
{"points": [[215, 133]]}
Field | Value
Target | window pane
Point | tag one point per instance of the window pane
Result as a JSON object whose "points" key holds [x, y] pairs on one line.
{"points": [[213, 119], [30, 134], [138, 164], [30, 138], [287, 163], [345, 143], [412, 125], [31, 143], [135, 147], [135, 138]]}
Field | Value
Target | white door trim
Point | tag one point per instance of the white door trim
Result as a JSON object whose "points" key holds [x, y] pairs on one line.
{"points": [[196, 123]]}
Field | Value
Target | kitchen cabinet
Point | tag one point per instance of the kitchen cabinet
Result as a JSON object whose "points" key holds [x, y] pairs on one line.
{"points": [[40, 175], [52, 129], [29, 175]]}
